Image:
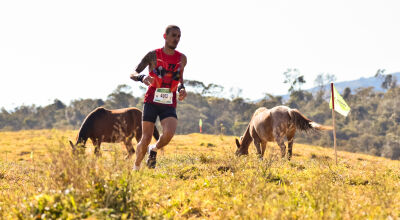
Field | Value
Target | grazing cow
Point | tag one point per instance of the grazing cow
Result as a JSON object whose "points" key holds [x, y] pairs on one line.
{"points": [[111, 126], [274, 125]]}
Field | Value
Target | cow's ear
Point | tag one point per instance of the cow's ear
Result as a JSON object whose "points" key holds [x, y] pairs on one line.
{"points": [[237, 143]]}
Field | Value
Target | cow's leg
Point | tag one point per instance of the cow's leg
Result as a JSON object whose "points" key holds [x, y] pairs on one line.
{"points": [[138, 134], [282, 145], [263, 147], [96, 144], [280, 141], [129, 148], [257, 143], [290, 138]]}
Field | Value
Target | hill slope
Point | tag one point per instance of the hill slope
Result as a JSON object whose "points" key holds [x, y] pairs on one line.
{"points": [[359, 83], [362, 82], [197, 176]]}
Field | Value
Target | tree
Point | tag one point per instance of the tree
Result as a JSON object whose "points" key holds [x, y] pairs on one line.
{"points": [[121, 97], [270, 101], [199, 87], [194, 85], [294, 79], [235, 92], [391, 148], [346, 93], [379, 73], [79, 109], [322, 80], [388, 81]]}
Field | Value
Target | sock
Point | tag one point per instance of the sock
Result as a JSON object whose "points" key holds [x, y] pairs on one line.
{"points": [[136, 168], [153, 148]]}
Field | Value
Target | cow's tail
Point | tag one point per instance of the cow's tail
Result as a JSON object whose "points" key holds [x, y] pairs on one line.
{"points": [[156, 135], [304, 124]]}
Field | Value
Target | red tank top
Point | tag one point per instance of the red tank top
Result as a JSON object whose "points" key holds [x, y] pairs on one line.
{"points": [[166, 74]]}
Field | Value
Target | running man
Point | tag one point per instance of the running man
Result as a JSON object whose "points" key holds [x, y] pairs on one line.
{"points": [[165, 77]]}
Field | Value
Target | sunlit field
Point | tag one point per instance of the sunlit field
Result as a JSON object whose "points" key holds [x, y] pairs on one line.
{"points": [[197, 176]]}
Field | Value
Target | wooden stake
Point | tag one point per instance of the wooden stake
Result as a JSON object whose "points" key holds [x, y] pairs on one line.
{"points": [[333, 117]]}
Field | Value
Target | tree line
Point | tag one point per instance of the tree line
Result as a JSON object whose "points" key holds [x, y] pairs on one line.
{"points": [[371, 127]]}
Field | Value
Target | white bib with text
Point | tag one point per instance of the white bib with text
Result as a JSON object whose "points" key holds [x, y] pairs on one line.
{"points": [[163, 96]]}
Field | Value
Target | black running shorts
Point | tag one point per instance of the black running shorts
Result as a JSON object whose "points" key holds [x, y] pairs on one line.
{"points": [[151, 111]]}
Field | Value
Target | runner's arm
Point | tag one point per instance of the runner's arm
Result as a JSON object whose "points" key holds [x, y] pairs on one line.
{"points": [[181, 87], [146, 61], [184, 62]]}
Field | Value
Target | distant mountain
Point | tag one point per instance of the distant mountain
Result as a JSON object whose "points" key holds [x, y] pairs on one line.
{"points": [[354, 84], [362, 82]]}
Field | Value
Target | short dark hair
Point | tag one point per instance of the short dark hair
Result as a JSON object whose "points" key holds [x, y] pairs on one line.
{"points": [[170, 27]]}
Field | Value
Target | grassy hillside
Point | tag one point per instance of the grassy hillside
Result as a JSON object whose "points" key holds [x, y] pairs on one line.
{"points": [[197, 176]]}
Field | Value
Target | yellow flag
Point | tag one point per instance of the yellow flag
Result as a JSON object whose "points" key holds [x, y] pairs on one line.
{"points": [[340, 105]]}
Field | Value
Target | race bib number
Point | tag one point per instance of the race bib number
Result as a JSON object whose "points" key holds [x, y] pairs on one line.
{"points": [[163, 96]]}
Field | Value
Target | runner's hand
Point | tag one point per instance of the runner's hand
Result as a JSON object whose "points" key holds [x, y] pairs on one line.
{"points": [[148, 80], [182, 94]]}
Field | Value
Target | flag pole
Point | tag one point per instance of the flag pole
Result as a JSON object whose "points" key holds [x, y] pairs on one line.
{"points": [[333, 117], [201, 125]]}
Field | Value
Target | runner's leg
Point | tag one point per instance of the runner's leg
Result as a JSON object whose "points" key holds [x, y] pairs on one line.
{"points": [[169, 121], [147, 134], [168, 126]]}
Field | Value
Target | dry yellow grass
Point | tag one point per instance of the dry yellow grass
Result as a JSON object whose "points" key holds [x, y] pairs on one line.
{"points": [[197, 176]]}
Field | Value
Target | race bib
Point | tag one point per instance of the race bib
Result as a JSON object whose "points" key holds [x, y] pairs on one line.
{"points": [[163, 96]]}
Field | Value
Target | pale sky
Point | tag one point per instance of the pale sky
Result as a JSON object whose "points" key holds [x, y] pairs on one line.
{"points": [[84, 49]]}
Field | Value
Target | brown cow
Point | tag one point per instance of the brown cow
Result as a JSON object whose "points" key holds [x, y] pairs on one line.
{"points": [[274, 125], [112, 126]]}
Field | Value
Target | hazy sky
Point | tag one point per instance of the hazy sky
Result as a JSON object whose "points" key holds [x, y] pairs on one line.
{"points": [[84, 49]]}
